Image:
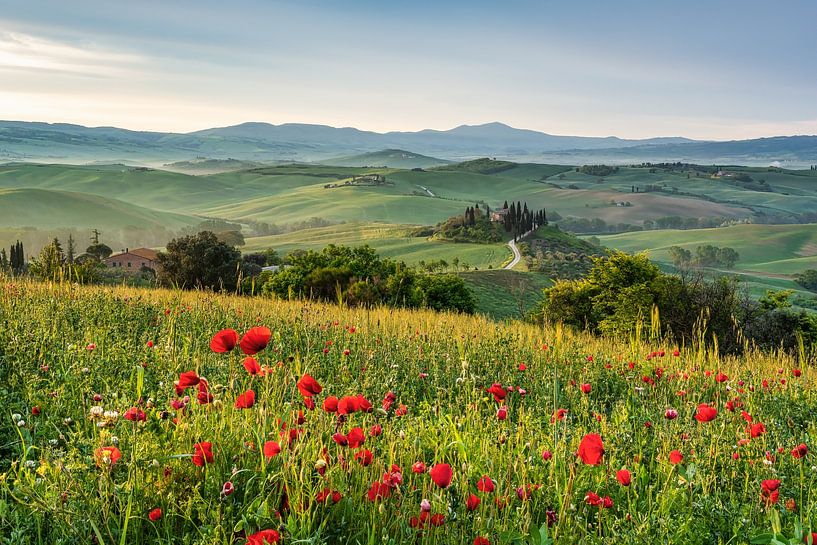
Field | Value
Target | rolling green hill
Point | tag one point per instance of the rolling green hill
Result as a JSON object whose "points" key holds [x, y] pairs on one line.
{"points": [[394, 158], [394, 241], [769, 254]]}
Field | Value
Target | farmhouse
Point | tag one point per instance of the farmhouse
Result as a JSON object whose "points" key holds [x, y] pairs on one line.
{"points": [[499, 215], [133, 260]]}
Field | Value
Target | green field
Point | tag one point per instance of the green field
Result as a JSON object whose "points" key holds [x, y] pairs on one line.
{"points": [[503, 294], [146, 207], [392, 241], [769, 254]]}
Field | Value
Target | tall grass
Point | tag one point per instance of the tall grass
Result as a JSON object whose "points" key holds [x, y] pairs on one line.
{"points": [[60, 345]]}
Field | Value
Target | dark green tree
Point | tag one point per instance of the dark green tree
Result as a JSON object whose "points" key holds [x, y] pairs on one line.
{"points": [[199, 261]]}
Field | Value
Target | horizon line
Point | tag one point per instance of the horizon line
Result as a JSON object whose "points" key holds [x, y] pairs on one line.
{"points": [[692, 140]]}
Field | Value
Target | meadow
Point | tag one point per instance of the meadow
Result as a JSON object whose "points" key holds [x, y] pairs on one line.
{"points": [[770, 255], [149, 416]]}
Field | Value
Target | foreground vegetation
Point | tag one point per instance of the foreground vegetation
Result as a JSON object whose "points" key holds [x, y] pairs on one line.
{"points": [[128, 418]]}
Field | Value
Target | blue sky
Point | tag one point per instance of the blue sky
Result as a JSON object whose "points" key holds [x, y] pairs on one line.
{"points": [[703, 69]]}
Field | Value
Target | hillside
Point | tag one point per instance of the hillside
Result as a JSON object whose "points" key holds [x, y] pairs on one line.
{"points": [[48, 209], [44, 142], [770, 255], [393, 158]]}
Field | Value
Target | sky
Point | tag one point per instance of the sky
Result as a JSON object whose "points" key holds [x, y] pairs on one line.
{"points": [[706, 69]]}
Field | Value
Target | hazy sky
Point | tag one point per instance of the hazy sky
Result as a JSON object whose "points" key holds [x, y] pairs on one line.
{"points": [[697, 68]]}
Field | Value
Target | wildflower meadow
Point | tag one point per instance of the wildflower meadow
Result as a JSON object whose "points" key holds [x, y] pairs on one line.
{"points": [[150, 416]]}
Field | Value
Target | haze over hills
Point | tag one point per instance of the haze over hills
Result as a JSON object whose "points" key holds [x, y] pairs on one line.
{"points": [[264, 142]]}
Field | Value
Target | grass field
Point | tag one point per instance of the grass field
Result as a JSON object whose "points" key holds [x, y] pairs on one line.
{"points": [[147, 207], [503, 294], [770, 255], [471, 432], [392, 241]]}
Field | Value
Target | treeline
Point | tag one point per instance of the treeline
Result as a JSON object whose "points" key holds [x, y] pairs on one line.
{"points": [[517, 219], [597, 170], [705, 256], [359, 277], [55, 262], [353, 276], [624, 294]]}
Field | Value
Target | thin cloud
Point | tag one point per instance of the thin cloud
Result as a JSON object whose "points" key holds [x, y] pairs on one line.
{"points": [[19, 51]]}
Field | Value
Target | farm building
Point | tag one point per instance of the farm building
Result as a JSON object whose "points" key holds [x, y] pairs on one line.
{"points": [[133, 260]]}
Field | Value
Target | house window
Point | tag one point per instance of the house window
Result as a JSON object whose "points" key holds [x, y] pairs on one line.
{"points": [[129, 264]]}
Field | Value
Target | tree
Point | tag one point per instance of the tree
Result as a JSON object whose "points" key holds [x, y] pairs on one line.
{"points": [[17, 260], [728, 257], [49, 264], [807, 279], [99, 251], [233, 238], [681, 257], [70, 252], [446, 292], [199, 261]]}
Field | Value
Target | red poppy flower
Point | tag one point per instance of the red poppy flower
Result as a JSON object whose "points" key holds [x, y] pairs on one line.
{"points": [[502, 412], [418, 467], [591, 498], [441, 474], [437, 519], [364, 457], [546, 455], [670, 414], [330, 404], [720, 377], [591, 449], [264, 537], [363, 404], [376, 430], [558, 415], [586, 388], [675, 457], [155, 514], [340, 439], [485, 484], [188, 379], [135, 414], [472, 502], [356, 437], [756, 430], [479, 540], [245, 400], [224, 341], [706, 413], [271, 449], [308, 386], [35, 410], [255, 340], [252, 366], [202, 453], [623, 476], [769, 492], [799, 451], [107, 456], [498, 391], [348, 405], [204, 396], [379, 490]]}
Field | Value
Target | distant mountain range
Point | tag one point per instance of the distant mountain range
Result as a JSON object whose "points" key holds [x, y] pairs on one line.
{"points": [[263, 142]]}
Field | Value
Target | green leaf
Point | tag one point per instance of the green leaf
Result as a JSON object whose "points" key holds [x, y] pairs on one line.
{"points": [[762, 539], [140, 381]]}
